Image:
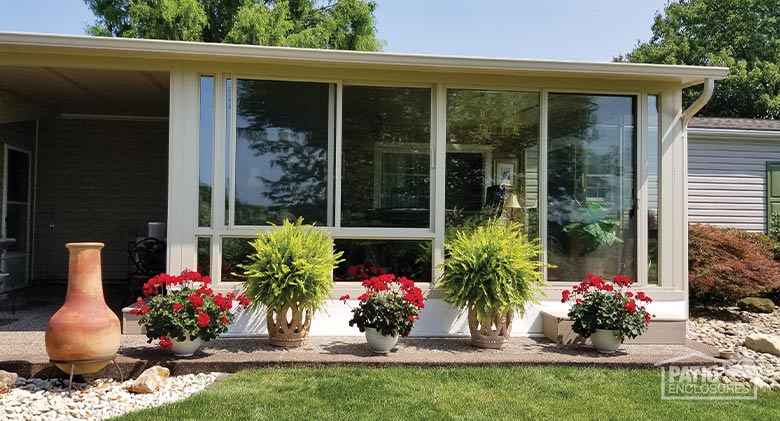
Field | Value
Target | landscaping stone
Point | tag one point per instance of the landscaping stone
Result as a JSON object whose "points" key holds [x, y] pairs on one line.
{"points": [[151, 380], [7, 381], [756, 305], [729, 330], [37, 399], [764, 343]]}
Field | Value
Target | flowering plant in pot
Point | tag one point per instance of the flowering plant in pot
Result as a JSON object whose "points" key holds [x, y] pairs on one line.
{"points": [[607, 312], [387, 310], [182, 311]]}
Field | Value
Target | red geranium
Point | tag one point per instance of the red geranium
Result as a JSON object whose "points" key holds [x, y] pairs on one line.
{"points": [[177, 306], [195, 300], [203, 319], [390, 304], [599, 304], [165, 343]]}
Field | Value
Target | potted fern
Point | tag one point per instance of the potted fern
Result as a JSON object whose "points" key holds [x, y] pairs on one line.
{"points": [[290, 273], [492, 271]]}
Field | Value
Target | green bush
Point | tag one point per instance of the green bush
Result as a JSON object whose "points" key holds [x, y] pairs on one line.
{"points": [[725, 265], [494, 267], [293, 263]]}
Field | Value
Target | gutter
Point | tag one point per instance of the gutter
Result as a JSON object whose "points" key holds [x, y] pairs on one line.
{"points": [[701, 101]]}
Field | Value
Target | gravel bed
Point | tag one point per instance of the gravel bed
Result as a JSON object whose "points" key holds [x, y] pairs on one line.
{"points": [[727, 329], [38, 399]]}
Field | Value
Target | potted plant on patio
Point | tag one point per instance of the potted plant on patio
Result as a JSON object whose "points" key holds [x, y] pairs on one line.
{"points": [[182, 311], [387, 310], [290, 273], [493, 271], [590, 228], [607, 312]]}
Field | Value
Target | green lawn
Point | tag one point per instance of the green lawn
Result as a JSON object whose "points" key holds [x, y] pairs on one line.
{"points": [[550, 393]]}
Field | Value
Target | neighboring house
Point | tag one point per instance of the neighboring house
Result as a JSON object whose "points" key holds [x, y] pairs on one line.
{"points": [[733, 172], [385, 151]]}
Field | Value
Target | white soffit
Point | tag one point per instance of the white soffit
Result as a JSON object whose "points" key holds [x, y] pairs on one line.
{"points": [[229, 53]]}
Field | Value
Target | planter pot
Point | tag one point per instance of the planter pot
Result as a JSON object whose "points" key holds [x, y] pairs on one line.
{"points": [[288, 325], [185, 348], [495, 334], [84, 328], [606, 341], [379, 343]]}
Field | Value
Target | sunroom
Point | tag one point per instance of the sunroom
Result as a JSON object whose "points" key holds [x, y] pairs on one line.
{"points": [[391, 153]]}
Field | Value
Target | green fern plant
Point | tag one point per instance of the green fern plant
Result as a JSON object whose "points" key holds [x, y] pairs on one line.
{"points": [[293, 263], [493, 268]]}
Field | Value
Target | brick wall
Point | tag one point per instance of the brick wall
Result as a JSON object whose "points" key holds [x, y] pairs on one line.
{"points": [[102, 179]]}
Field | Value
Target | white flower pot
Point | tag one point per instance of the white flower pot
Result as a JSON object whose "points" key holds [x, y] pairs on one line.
{"points": [[380, 344], [606, 341], [185, 348]]}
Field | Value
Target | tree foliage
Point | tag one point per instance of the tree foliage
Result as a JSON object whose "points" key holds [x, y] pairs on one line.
{"points": [[743, 35], [340, 24]]}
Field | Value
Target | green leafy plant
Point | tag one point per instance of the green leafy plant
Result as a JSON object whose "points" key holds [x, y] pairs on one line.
{"points": [[175, 309], [493, 268], [390, 305], [598, 304], [593, 227], [293, 263]]}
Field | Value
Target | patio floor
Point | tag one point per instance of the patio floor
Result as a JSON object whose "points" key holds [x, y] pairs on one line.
{"points": [[22, 351]]}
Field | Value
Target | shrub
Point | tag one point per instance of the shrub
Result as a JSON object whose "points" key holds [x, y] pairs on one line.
{"points": [[293, 263], [495, 268], [726, 264]]}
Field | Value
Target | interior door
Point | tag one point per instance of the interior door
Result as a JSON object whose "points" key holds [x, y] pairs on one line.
{"points": [[16, 213]]}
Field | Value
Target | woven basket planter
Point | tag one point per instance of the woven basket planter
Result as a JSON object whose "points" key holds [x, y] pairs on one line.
{"points": [[494, 335], [288, 333]]}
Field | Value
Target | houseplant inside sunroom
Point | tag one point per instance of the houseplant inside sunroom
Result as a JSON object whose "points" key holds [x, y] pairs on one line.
{"points": [[182, 311], [607, 312], [290, 273], [387, 310], [591, 229], [493, 271]]}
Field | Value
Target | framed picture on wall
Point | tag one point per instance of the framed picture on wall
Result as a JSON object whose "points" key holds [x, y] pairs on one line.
{"points": [[504, 171]]}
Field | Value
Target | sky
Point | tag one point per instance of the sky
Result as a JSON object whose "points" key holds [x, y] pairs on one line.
{"points": [[590, 30]]}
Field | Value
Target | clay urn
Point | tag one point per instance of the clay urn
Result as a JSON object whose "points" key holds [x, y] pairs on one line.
{"points": [[84, 328]]}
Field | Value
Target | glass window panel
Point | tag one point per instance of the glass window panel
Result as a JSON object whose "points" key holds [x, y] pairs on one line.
{"points": [[205, 150], [386, 157], [235, 251], [204, 255], [281, 152], [492, 158], [410, 258], [591, 184], [653, 169], [228, 139]]}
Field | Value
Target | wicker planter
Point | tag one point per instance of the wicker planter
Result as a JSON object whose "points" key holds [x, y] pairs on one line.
{"points": [[495, 335], [288, 333]]}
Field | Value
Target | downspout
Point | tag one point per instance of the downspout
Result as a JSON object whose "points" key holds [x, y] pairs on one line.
{"points": [[687, 115], [701, 101]]}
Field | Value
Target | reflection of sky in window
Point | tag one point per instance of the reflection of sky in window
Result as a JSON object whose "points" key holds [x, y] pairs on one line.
{"points": [[252, 168], [206, 129]]}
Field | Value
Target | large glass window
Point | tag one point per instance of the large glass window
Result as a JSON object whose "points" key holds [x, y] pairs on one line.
{"points": [[492, 157], [366, 258], [591, 194], [653, 169], [386, 164], [205, 150], [281, 159]]}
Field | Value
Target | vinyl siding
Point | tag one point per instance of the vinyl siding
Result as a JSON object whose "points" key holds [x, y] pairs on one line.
{"points": [[727, 181], [102, 180]]}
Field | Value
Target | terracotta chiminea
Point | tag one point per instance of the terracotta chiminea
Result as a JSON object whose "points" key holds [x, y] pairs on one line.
{"points": [[84, 329]]}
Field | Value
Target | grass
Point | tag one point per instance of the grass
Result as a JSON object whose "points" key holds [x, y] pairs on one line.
{"points": [[543, 392]]}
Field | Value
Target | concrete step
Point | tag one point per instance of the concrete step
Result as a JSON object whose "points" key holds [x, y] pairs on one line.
{"points": [[557, 327]]}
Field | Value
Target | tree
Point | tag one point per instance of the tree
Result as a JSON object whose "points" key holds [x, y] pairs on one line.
{"points": [[339, 24], [743, 35]]}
